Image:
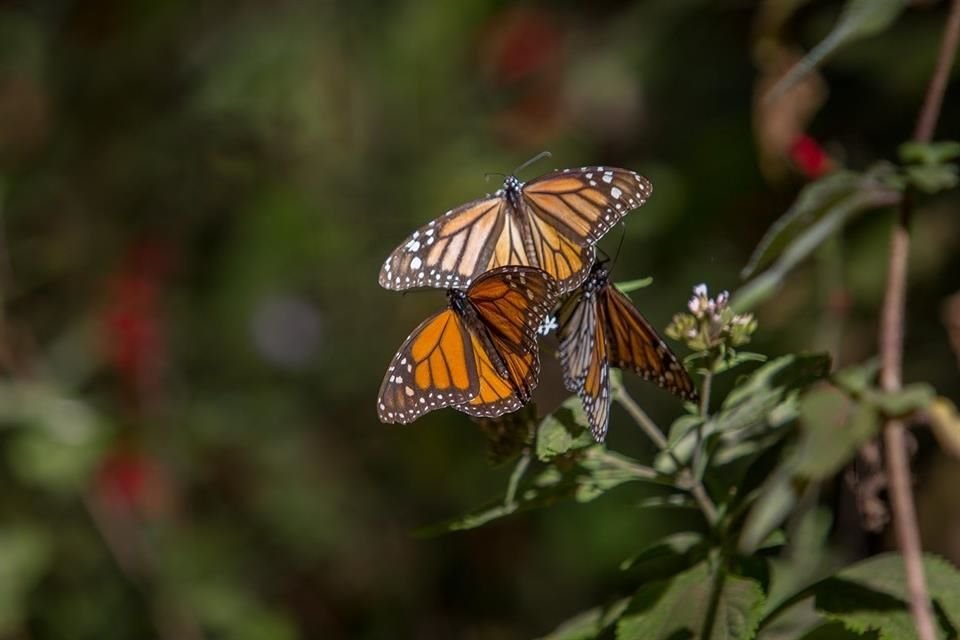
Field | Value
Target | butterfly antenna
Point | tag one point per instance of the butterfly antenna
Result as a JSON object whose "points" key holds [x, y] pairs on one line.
{"points": [[537, 158], [487, 175], [623, 234]]}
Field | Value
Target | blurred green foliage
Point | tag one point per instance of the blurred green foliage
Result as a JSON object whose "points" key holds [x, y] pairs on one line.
{"points": [[195, 199]]}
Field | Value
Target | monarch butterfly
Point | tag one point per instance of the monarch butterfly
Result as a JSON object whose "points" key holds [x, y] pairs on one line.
{"points": [[479, 355], [551, 222], [599, 329]]}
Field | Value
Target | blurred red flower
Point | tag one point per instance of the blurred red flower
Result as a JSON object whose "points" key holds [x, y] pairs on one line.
{"points": [[809, 157], [133, 323], [132, 483]]}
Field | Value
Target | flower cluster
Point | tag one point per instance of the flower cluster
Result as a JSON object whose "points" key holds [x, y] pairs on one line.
{"points": [[711, 323]]}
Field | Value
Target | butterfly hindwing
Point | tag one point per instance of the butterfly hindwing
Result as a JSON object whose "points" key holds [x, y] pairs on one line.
{"points": [[583, 356], [480, 355], [435, 367]]}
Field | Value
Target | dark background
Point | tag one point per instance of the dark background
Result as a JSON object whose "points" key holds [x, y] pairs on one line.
{"points": [[196, 199]]}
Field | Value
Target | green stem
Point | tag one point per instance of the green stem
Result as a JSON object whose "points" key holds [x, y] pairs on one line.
{"points": [[509, 500], [710, 619], [704, 413], [695, 487]]}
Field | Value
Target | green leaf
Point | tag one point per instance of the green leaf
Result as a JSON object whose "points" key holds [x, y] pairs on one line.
{"points": [[807, 559], [910, 399], [776, 501], [859, 19], [930, 153], [820, 211], [812, 203], [679, 608], [752, 415], [25, 555], [633, 285], [587, 477], [676, 544], [736, 358], [680, 444], [58, 441], [872, 596], [833, 428], [933, 178], [602, 470], [590, 623], [857, 379], [567, 429], [776, 378]]}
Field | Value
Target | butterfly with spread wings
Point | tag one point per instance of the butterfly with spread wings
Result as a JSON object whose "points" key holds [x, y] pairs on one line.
{"points": [[599, 329], [551, 222], [479, 355]]}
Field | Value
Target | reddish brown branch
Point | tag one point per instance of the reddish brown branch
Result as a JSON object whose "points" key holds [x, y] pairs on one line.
{"points": [[891, 351]]}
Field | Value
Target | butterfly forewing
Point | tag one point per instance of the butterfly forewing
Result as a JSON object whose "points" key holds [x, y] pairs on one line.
{"points": [[514, 301], [584, 204], [551, 223], [511, 302], [634, 345], [450, 251], [434, 368], [599, 329]]}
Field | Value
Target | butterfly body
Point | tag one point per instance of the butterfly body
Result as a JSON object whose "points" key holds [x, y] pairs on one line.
{"points": [[479, 355], [600, 328], [551, 222], [460, 303]]}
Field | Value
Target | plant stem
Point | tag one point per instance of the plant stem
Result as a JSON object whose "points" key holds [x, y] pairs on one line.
{"points": [[705, 391], [640, 416], [510, 499], [891, 351], [704, 413]]}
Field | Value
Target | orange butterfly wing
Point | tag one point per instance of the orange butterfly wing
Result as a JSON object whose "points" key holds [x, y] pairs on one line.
{"points": [[599, 329], [562, 215], [434, 368], [570, 210], [634, 345], [511, 305], [449, 252], [484, 363]]}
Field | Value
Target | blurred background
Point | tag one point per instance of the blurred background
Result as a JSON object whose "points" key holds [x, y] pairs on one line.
{"points": [[196, 198]]}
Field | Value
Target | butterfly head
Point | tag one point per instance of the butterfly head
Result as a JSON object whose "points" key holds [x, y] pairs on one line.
{"points": [[512, 189], [458, 300], [598, 277]]}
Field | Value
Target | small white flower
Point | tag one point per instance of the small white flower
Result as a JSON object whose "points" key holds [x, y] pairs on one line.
{"points": [[694, 305], [700, 290], [548, 324]]}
